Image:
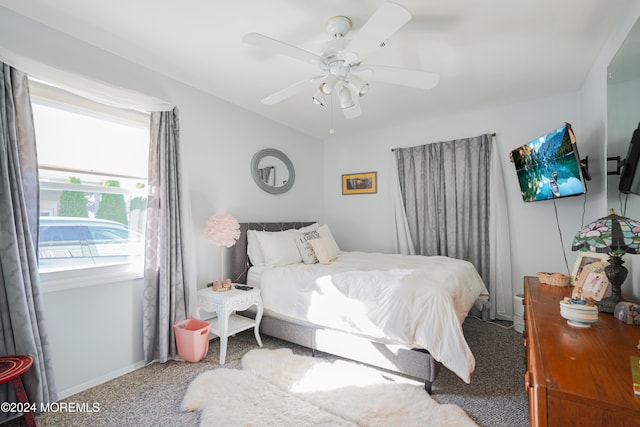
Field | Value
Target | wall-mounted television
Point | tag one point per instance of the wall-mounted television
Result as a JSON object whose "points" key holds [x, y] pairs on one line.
{"points": [[629, 176], [549, 167]]}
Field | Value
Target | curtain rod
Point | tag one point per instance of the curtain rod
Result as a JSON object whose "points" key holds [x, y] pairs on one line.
{"points": [[394, 149]]}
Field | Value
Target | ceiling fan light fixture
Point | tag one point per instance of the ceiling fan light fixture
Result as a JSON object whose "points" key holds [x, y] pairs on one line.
{"points": [[358, 85], [344, 94], [319, 99], [327, 86]]}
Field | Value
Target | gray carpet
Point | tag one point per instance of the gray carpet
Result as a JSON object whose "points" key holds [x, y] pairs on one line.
{"points": [[151, 396]]}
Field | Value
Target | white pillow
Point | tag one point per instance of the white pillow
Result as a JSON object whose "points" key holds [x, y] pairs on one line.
{"points": [[305, 249], [278, 248], [325, 232], [324, 249], [253, 248]]}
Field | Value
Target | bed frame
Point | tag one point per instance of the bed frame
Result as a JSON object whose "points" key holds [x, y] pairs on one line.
{"points": [[416, 363]]}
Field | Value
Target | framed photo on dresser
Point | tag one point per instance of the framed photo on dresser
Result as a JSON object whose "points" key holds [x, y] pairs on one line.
{"points": [[592, 282], [584, 259]]}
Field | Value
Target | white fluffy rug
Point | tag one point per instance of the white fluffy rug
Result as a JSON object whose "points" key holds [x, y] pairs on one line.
{"points": [[278, 388]]}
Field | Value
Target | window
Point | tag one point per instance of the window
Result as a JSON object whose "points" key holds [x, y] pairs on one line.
{"points": [[93, 181]]}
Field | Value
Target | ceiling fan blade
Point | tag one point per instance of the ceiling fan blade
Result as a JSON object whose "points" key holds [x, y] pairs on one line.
{"points": [[289, 91], [277, 46], [384, 22], [400, 76]]}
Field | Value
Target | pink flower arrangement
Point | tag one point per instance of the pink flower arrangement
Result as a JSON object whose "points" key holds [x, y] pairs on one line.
{"points": [[223, 230]]}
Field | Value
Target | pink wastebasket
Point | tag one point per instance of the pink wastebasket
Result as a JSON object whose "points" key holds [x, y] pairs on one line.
{"points": [[192, 339]]}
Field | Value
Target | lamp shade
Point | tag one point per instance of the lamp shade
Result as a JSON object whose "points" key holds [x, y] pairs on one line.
{"points": [[358, 85], [346, 100], [613, 234], [327, 86], [223, 230]]}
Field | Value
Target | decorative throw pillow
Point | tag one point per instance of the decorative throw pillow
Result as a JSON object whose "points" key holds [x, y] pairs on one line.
{"points": [[278, 248], [305, 249], [324, 249], [325, 232]]}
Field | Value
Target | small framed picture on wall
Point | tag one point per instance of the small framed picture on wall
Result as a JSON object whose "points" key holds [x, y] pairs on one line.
{"points": [[360, 183]]}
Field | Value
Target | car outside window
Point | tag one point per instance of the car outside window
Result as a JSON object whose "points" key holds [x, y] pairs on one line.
{"points": [[67, 242], [64, 242]]}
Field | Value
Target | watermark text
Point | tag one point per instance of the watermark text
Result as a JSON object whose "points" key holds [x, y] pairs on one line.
{"points": [[20, 407]]}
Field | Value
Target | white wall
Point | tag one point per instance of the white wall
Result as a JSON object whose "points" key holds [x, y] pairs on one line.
{"points": [[534, 239], [217, 159], [95, 331]]}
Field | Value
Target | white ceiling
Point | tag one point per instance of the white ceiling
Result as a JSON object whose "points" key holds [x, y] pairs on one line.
{"points": [[488, 52]]}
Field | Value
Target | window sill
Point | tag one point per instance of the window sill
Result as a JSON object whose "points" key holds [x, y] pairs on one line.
{"points": [[54, 281]]}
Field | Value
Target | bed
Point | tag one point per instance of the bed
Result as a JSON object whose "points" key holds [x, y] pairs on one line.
{"points": [[367, 307]]}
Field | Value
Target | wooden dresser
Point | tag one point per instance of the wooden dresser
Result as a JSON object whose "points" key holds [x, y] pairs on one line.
{"points": [[575, 376]]}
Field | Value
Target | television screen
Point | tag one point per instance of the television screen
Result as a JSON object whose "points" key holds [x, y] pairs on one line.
{"points": [[629, 178], [549, 167]]}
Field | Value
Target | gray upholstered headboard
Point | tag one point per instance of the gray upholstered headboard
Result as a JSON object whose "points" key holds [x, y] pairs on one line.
{"points": [[239, 259]]}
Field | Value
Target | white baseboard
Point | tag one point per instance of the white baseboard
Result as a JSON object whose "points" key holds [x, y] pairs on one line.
{"points": [[62, 394]]}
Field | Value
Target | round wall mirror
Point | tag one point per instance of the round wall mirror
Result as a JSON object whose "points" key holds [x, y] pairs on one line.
{"points": [[272, 171]]}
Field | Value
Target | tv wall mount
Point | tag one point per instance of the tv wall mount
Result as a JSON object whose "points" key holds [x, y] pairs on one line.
{"points": [[619, 164]]}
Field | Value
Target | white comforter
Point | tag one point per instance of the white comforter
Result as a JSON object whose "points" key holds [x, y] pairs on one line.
{"points": [[415, 300]]}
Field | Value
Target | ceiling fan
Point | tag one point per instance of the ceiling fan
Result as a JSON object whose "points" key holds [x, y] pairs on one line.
{"points": [[344, 74]]}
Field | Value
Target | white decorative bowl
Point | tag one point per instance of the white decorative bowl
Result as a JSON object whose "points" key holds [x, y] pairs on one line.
{"points": [[578, 315]]}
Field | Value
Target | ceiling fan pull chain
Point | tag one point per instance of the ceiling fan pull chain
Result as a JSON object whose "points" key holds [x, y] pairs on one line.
{"points": [[331, 129]]}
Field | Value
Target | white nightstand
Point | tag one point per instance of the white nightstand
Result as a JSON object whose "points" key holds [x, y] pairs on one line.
{"points": [[225, 305]]}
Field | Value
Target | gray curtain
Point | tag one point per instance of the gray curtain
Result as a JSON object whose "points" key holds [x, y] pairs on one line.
{"points": [[165, 281], [21, 307], [445, 192]]}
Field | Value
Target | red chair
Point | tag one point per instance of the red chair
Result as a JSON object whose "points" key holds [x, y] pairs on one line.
{"points": [[11, 367]]}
